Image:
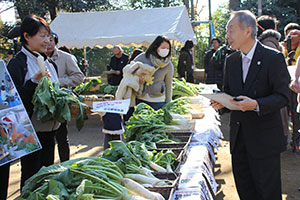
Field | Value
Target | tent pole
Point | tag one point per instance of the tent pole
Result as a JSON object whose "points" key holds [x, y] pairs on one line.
{"points": [[84, 52]]}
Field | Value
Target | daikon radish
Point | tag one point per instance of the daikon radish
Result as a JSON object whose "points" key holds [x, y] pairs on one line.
{"points": [[146, 180], [40, 61], [157, 167], [139, 190]]}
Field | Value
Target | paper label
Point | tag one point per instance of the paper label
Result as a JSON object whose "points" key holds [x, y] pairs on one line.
{"points": [[188, 194], [115, 106]]}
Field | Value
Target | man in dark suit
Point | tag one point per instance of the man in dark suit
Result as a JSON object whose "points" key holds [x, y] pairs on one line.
{"points": [[257, 76]]}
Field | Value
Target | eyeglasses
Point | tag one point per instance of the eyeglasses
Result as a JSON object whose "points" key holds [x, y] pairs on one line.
{"points": [[117, 53]]}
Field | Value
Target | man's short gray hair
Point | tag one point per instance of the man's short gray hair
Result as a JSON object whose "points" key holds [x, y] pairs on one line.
{"points": [[117, 47], [246, 19]]}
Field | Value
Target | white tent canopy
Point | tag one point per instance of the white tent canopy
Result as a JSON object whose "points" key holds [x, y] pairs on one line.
{"points": [[126, 28]]}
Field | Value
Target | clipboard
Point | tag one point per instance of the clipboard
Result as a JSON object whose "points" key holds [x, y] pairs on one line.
{"points": [[110, 72], [222, 98]]}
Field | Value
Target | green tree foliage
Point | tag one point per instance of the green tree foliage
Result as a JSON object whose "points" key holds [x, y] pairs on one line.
{"points": [[140, 4], [220, 19], [42, 7], [285, 11], [5, 43]]}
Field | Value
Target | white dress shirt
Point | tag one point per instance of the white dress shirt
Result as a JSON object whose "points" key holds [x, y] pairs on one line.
{"points": [[247, 61]]}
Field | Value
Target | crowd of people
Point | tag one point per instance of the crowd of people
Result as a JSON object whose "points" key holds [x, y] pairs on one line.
{"points": [[251, 66]]}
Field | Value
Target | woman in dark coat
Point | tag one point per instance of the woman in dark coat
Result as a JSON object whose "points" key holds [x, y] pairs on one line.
{"points": [[185, 63]]}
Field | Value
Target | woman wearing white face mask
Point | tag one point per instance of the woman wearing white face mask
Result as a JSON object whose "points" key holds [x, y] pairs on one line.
{"points": [[158, 55]]}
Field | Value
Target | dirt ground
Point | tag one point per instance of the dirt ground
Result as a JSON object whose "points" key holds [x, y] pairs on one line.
{"points": [[89, 141]]}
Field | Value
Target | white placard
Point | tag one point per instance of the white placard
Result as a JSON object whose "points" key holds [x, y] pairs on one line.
{"points": [[115, 106]]}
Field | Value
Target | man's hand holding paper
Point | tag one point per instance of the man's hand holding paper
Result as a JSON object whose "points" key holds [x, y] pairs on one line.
{"points": [[216, 105], [245, 103]]}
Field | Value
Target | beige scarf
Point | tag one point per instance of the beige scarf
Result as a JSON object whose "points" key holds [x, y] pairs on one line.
{"points": [[159, 63]]}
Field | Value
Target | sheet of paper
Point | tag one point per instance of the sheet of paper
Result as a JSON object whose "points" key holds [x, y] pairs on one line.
{"points": [[222, 98], [116, 106]]}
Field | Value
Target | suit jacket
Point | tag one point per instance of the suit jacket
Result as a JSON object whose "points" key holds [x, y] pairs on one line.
{"points": [[266, 82]]}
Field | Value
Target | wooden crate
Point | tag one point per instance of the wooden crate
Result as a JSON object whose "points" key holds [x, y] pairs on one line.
{"points": [[165, 191]]}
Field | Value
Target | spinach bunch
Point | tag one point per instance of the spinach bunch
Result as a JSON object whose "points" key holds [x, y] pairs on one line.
{"points": [[85, 87], [178, 106], [145, 120]]}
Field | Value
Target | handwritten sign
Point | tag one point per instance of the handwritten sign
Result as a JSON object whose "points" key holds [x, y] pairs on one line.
{"points": [[115, 106]]}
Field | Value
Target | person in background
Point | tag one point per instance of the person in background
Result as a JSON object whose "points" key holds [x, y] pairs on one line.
{"points": [[112, 122], [25, 72], [10, 54], [69, 75], [267, 34], [258, 77], [85, 67], [292, 43], [134, 54], [157, 55], [65, 49], [185, 62], [217, 62], [214, 75], [292, 52], [116, 65]]}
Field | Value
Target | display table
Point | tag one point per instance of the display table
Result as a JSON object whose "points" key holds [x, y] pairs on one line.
{"points": [[197, 179]]}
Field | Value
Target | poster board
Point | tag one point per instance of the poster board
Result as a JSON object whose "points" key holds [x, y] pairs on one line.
{"points": [[17, 135]]}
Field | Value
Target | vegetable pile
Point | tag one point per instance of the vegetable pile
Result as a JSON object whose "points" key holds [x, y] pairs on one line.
{"points": [[87, 179], [148, 126], [52, 103], [183, 88], [133, 157], [95, 86], [178, 106]]}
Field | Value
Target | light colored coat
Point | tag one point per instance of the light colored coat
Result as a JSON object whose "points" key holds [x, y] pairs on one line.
{"points": [[69, 74]]}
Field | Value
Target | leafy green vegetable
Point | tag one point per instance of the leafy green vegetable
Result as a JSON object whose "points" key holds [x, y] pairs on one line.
{"points": [[85, 178], [165, 159], [52, 103], [145, 120], [183, 88], [178, 106], [95, 86], [85, 87], [117, 150]]}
